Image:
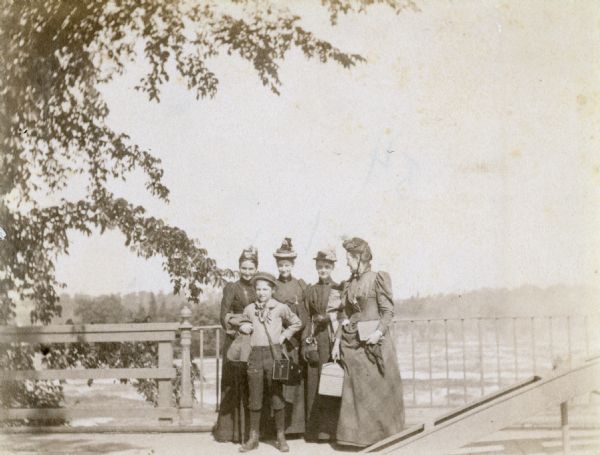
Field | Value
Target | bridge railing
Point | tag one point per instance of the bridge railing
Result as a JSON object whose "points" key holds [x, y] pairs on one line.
{"points": [[450, 361], [446, 362], [164, 334]]}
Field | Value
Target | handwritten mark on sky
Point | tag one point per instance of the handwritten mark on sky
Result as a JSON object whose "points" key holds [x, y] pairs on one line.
{"points": [[399, 166], [312, 234]]}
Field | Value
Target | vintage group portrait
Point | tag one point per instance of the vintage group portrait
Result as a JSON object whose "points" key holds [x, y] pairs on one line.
{"points": [[308, 226]]}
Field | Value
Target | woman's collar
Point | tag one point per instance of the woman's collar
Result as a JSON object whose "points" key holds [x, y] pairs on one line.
{"points": [[367, 268], [285, 279]]}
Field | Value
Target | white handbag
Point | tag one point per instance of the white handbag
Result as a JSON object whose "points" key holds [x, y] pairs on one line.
{"points": [[331, 381]]}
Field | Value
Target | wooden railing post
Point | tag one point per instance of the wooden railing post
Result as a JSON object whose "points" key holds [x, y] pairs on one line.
{"points": [[165, 386], [202, 370], [218, 365], [185, 399]]}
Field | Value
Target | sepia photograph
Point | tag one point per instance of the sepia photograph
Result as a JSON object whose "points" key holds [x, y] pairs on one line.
{"points": [[308, 226]]}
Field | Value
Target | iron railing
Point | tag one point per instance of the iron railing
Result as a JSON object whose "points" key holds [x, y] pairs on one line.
{"points": [[446, 362]]}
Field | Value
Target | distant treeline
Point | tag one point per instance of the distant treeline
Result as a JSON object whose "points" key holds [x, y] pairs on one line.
{"points": [[143, 307], [136, 307], [522, 301]]}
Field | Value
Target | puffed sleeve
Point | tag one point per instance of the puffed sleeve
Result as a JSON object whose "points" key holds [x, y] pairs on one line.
{"points": [[302, 308], [247, 313], [307, 299], [343, 316], [303, 284], [226, 301], [385, 300], [305, 289]]}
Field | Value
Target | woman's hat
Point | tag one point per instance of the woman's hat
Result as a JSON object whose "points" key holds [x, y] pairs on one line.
{"points": [[285, 251], [357, 245], [264, 276], [249, 254], [327, 254]]}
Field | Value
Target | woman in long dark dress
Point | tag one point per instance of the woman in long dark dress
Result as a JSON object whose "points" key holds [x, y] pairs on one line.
{"points": [[372, 405], [321, 411], [290, 291], [233, 421]]}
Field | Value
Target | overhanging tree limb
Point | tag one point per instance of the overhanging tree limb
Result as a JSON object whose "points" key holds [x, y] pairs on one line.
{"points": [[53, 125]]}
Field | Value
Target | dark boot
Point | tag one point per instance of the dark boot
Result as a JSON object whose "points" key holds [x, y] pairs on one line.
{"points": [[281, 443], [252, 442]]}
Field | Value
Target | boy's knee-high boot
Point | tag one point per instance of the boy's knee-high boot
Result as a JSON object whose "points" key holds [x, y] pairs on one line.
{"points": [[281, 443], [252, 442]]}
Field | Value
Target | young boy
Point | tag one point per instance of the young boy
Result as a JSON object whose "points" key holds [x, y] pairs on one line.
{"points": [[272, 323]]}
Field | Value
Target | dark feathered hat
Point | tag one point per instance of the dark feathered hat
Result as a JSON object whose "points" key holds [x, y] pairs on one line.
{"points": [[249, 254], [357, 245], [285, 251]]}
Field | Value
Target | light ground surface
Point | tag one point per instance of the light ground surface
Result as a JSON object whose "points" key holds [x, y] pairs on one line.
{"points": [[537, 435], [534, 436], [507, 442]]}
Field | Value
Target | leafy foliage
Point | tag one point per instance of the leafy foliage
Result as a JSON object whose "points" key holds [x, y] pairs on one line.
{"points": [[39, 394], [345, 6], [48, 394], [54, 55]]}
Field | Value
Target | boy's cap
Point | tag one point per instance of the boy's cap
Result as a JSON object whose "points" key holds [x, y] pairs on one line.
{"points": [[264, 276], [285, 251], [327, 254]]}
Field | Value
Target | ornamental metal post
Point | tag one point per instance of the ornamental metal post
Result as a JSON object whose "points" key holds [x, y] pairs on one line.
{"points": [[185, 400], [564, 425]]}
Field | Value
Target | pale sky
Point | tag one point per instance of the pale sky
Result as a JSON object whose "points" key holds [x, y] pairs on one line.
{"points": [[465, 151]]}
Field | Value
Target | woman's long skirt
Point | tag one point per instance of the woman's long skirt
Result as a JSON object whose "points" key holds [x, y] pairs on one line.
{"points": [[372, 404], [295, 417], [321, 411], [233, 422]]}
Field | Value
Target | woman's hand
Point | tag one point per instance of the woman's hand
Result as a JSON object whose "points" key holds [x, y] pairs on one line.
{"points": [[335, 350], [282, 339], [246, 329], [374, 337]]}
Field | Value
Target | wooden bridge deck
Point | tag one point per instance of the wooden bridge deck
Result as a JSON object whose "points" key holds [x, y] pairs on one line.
{"points": [[514, 441]]}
